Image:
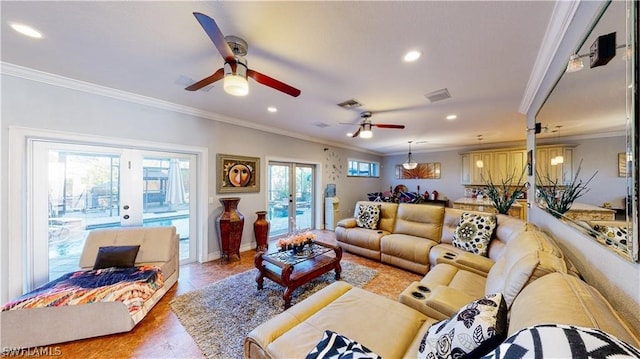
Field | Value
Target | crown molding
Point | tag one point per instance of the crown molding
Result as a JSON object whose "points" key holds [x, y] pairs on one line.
{"points": [[87, 87], [561, 17]]}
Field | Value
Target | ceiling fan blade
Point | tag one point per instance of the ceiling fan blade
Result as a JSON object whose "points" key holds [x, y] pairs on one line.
{"points": [[216, 36], [218, 75], [382, 125], [273, 83], [357, 132]]}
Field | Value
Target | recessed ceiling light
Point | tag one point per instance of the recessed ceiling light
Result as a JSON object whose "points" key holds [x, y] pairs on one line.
{"points": [[451, 117], [26, 30], [349, 134], [272, 109], [412, 55]]}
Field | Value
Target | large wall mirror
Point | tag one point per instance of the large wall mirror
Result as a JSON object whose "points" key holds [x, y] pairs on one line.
{"points": [[589, 129]]}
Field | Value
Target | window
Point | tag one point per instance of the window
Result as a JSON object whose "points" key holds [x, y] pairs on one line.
{"points": [[359, 168]]}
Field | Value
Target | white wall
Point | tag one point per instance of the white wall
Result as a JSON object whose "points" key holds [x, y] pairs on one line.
{"points": [[601, 155], [448, 185], [38, 105]]}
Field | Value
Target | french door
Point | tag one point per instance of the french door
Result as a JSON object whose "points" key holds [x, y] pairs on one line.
{"points": [[291, 197], [78, 188]]}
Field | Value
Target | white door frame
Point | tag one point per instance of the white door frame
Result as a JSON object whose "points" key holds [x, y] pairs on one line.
{"points": [[18, 183], [318, 190]]}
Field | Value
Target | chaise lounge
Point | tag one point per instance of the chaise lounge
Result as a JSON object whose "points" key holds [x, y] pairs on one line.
{"points": [[31, 321]]}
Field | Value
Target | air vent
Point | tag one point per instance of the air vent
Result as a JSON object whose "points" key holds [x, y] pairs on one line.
{"points": [[321, 124], [438, 95], [349, 104]]}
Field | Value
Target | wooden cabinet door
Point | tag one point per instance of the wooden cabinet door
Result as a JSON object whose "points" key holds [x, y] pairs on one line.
{"points": [[466, 169], [517, 165], [500, 171]]}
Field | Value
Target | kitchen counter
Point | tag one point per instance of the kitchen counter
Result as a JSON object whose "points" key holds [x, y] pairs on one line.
{"points": [[486, 205], [587, 212]]}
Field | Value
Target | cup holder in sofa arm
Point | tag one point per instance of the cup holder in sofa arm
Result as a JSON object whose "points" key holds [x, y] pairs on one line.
{"points": [[438, 303], [449, 256]]}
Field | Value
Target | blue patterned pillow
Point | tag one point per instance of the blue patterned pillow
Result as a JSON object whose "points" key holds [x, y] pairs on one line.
{"points": [[474, 330], [563, 341], [336, 346]]}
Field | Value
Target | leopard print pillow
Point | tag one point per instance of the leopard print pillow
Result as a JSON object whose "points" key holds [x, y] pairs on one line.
{"points": [[474, 233], [367, 216]]}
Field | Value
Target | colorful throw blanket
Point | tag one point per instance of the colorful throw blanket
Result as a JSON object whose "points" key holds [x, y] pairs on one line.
{"points": [[132, 286]]}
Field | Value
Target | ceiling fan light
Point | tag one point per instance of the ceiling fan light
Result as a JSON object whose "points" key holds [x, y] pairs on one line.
{"points": [[236, 85], [575, 63], [366, 133]]}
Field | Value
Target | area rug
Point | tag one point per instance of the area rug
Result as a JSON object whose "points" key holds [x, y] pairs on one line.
{"points": [[220, 315]]}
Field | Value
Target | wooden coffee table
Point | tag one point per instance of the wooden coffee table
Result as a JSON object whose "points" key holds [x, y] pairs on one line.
{"points": [[292, 271]]}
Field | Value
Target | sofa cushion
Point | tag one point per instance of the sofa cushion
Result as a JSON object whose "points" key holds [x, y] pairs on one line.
{"points": [[523, 262], [419, 220], [474, 232], [565, 299], [116, 256], [474, 330], [367, 215], [563, 341], [347, 314], [333, 345]]}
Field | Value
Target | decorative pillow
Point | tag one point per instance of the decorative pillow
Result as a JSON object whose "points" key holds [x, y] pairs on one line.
{"points": [[336, 346], [563, 341], [474, 330], [367, 216], [474, 232], [615, 236], [116, 256]]}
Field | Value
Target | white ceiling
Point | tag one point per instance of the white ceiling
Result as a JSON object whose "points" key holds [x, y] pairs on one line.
{"points": [[482, 52]]}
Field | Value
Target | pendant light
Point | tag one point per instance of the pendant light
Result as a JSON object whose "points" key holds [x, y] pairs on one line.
{"points": [[558, 159], [409, 164], [479, 163]]}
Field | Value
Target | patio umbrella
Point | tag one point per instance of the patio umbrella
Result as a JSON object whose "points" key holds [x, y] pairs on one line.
{"points": [[175, 185]]}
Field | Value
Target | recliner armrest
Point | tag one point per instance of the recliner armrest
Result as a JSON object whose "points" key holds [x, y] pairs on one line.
{"points": [[347, 223], [447, 300]]}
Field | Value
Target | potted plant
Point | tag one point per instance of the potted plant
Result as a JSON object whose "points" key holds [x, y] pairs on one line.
{"points": [[558, 198], [505, 194]]}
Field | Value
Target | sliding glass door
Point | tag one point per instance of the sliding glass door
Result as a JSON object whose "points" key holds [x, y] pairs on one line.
{"points": [[291, 197], [79, 188]]}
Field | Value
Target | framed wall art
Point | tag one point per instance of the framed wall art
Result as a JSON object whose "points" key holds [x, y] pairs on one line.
{"points": [[237, 174], [429, 170], [623, 169]]}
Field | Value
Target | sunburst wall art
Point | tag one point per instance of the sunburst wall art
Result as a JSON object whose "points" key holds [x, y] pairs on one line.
{"points": [[429, 170]]}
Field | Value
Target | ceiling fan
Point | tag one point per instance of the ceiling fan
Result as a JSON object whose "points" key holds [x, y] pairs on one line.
{"points": [[235, 70], [364, 129]]}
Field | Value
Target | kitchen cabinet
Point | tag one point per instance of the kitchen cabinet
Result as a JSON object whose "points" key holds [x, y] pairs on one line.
{"points": [[548, 170], [497, 164]]}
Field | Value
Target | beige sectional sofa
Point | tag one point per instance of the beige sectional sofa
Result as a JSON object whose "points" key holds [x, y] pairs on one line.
{"points": [[394, 330], [537, 283], [416, 237]]}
